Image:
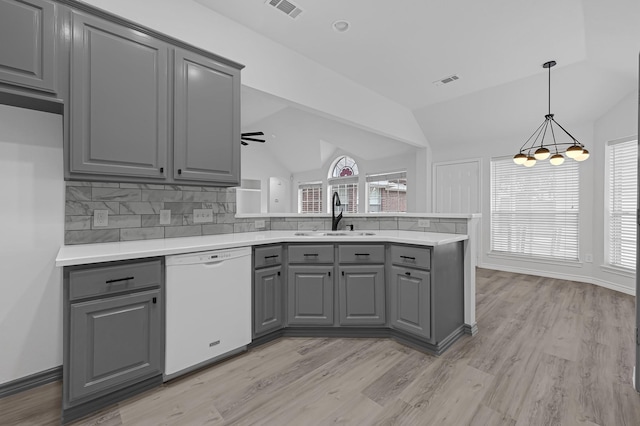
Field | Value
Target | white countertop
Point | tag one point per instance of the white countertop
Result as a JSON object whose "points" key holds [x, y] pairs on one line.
{"points": [[105, 252]]}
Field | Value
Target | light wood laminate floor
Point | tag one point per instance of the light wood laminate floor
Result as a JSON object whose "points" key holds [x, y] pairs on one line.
{"points": [[548, 352]]}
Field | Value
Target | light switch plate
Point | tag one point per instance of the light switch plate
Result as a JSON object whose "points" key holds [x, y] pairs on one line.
{"points": [[260, 224], [424, 223], [100, 218], [165, 217], [202, 215]]}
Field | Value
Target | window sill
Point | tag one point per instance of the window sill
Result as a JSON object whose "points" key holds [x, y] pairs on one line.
{"points": [[618, 270], [531, 259]]}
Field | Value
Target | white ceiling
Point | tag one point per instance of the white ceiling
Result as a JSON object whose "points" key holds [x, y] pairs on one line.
{"points": [[398, 48]]}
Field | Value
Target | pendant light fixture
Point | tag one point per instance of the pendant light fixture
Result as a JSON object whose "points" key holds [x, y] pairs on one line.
{"points": [[535, 149]]}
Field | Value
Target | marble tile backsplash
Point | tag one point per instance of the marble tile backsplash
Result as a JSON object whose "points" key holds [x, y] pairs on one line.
{"points": [[134, 214]]}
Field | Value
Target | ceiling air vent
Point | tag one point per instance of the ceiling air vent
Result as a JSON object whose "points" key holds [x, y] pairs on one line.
{"points": [[446, 80], [287, 7]]}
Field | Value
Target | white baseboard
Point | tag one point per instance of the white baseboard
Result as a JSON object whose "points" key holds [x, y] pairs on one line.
{"points": [[561, 276]]}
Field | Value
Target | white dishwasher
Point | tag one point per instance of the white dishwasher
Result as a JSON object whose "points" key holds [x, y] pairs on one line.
{"points": [[208, 308]]}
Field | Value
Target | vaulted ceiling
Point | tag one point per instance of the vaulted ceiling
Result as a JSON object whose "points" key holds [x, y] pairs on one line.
{"points": [[496, 47]]}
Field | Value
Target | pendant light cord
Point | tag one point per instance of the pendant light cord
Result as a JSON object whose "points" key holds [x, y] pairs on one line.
{"points": [[549, 90]]}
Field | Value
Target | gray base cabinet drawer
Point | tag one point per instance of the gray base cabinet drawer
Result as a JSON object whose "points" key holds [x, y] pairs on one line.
{"points": [[267, 256], [361, 253], [114, 341], [310, 253], [413, 257], [362, 295], [112, 279]]}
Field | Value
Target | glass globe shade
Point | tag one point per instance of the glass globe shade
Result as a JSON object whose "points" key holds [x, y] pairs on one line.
{"points": [[542, 153], [582, 156], [519, 158], [531, 161], [556, 159], [573, 151]]}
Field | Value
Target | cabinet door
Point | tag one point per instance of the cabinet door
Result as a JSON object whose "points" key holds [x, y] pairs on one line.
{"points": [[310, 295], [361, 295], [27, 50], [207, 120], [411, 301], [113, 341], [119, 89], [267, 298]]}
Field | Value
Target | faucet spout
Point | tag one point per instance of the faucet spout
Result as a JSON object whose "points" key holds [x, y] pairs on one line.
{"points": [[335, 202]]}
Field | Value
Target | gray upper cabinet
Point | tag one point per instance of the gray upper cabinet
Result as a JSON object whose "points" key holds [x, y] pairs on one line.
{"points": [[362, 295], [27, 47], [119, 110], [310, 295], [207, 120]]}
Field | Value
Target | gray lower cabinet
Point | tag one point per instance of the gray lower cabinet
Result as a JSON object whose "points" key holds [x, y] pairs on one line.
{"points": [[267, 299], [410, 294], [310, 295], [27, 47], [113, 336], [115, 340], [119, 110], [207, 120], [361, 295]]}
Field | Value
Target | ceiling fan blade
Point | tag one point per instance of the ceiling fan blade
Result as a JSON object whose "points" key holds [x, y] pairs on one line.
{"points": [[252, 140], [243, 143], [253, 134]]}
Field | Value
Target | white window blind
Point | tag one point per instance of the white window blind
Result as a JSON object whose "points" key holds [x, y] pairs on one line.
{"points": [[535, 211], [310, 197], [622, 191]]}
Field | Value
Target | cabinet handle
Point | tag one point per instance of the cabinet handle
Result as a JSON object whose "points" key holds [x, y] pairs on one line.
{"points": [[343, 273], [161, 169], [329, 273], [362, 254], [271, 257], [155, 300], [311, 254], [118, 280], [408, 273], [179, 171], [278, 273], [408, 257]]}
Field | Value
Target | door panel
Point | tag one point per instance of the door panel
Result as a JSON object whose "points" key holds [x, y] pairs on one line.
{"points": [[362, 295], [310, 295], [411, 301]]}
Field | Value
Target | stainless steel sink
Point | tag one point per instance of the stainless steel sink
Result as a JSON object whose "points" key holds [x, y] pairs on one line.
{"points": [[333, 234]]}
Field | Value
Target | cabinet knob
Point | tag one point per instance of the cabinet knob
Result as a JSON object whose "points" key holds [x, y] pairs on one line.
{"points": [[155, 300], [161, 169], [179, 171], [408, 273], [278, 273]]}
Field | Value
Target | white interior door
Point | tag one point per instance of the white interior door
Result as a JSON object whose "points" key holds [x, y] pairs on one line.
{"points": [[457, 187]]}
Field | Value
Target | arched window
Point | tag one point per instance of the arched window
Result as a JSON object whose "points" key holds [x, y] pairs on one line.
{"points": [[343, 179]]}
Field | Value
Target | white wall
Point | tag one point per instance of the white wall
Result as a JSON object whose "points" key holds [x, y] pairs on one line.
{"points": [[31, 230], [259, 163], [620, 121]]}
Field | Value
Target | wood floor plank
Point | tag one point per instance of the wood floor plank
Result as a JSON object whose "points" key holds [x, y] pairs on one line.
{"points": [[548, 352]]}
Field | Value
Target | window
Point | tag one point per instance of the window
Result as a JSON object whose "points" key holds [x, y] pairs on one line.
{"points": [[310, 197], [387, 192], [535, 211], [343, 179], [622, 187]]}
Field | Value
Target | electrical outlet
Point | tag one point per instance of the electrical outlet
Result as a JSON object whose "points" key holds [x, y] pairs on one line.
{"points": [[100, 218], [260, 224], [588, 258], [202, 215], [165, 217], [424, 223]]}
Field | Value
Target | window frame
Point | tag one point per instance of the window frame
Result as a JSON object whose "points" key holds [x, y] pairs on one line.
{"points": [[310, 185], [386, 177]]}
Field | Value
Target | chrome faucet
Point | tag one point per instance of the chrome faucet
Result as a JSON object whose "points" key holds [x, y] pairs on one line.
{"points": [[335, 202]]}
